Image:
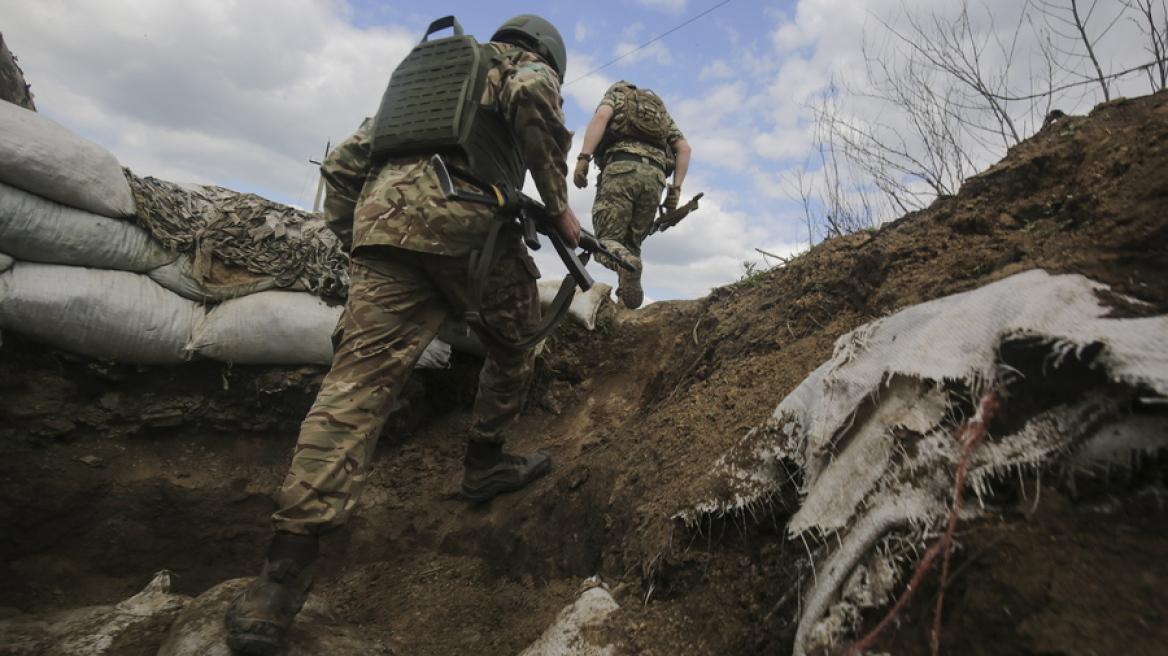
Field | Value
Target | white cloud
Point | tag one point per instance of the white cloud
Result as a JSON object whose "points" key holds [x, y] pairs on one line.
{"points": [[199, 90], [244, 93], [717, 70], [671, 6], [633, 53]]}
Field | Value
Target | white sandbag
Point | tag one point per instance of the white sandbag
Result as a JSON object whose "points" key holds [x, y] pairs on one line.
{"points": [[436, 356], [41, 156], [279, 327], [315, 631], [872, 430], [6, 262], [36, 229], [100, 313], [575, 631], [96, 630], [584, 305], [179, 277], [272, 327]]}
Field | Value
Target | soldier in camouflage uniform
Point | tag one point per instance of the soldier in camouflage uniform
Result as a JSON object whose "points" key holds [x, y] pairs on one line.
{"points": [[632, 176], [410, 253]]}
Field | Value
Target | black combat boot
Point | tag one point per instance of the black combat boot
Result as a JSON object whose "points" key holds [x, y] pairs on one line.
{"points": [[490, 472], [260, 616]]}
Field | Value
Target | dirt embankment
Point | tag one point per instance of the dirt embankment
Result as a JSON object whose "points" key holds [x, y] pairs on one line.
{"points": [[112, 472]]}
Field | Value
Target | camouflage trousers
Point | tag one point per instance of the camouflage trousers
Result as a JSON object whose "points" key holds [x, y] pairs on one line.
{"points": [[627, 197], [397, 301]]}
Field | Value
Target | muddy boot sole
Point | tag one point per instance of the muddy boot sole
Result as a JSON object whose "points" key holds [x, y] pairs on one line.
{"points": [[254, 637], [629, 285]]}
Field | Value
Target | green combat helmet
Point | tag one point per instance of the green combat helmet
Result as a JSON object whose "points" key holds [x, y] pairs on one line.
{"points": [[538, 36]]}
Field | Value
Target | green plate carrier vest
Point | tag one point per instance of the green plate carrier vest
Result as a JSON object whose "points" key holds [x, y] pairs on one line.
{"points": [[432, 106]]}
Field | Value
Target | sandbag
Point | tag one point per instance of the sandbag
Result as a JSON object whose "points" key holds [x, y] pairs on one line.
{"points": [[270, 327], [278, 327], [101, 313], [36, 229], [6, 262], [200, 630], [576, 631], [181, 278], [873, 437], [96, 630], [39, 155], [584, 305]]}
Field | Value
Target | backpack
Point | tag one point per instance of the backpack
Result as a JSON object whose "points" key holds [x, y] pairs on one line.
{"points": [[432, 105], [644, 118]]}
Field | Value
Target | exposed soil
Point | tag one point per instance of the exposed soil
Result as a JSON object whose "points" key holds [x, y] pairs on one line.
{"points": [[112, 472]]}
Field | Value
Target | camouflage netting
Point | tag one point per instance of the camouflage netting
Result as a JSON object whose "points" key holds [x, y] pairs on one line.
{"points": [[244, 230], [13, 88]]}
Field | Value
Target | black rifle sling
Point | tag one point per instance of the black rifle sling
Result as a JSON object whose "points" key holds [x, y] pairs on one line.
{"points": [[481, 265]]}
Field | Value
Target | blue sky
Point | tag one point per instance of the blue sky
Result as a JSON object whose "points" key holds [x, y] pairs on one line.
{"points": [[243, 93]]}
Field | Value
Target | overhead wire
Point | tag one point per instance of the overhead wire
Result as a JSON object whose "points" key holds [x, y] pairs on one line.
{"points": [[649, 42]]}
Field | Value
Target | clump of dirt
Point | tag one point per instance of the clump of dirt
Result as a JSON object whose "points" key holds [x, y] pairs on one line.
{"points": [[113, 472]]}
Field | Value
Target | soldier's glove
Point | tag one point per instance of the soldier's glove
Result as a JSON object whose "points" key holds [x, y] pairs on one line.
{"points": [[580, 177], [672, 197]]}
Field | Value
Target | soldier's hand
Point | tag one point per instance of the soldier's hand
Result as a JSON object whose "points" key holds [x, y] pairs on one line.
{"points": [[672, 198], [568, 226], [580, 177]]}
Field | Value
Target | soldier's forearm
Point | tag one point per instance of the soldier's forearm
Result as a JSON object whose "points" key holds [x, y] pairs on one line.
{"points": [[682, 152]]}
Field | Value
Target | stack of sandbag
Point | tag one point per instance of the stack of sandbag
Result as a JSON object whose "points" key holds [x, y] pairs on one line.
{"points": [[78, 272], [100, 262]]}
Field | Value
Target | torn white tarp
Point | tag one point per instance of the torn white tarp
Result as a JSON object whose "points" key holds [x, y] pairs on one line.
{"points": [[870, 433], [952, 339]]}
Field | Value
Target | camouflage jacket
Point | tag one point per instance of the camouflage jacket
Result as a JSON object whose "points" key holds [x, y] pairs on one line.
{"points": [[401, 204], [615, 98]]}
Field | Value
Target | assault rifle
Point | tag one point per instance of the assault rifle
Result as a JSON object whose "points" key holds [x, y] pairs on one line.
{"points": [[669, 219], [533, 219]]}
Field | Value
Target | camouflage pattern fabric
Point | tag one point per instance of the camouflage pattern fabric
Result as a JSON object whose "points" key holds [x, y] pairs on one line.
{"points": [[615, 98], [627, 197], [402, 205], [411, 261], [397, 302], [264, 237], [628, 193]]}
